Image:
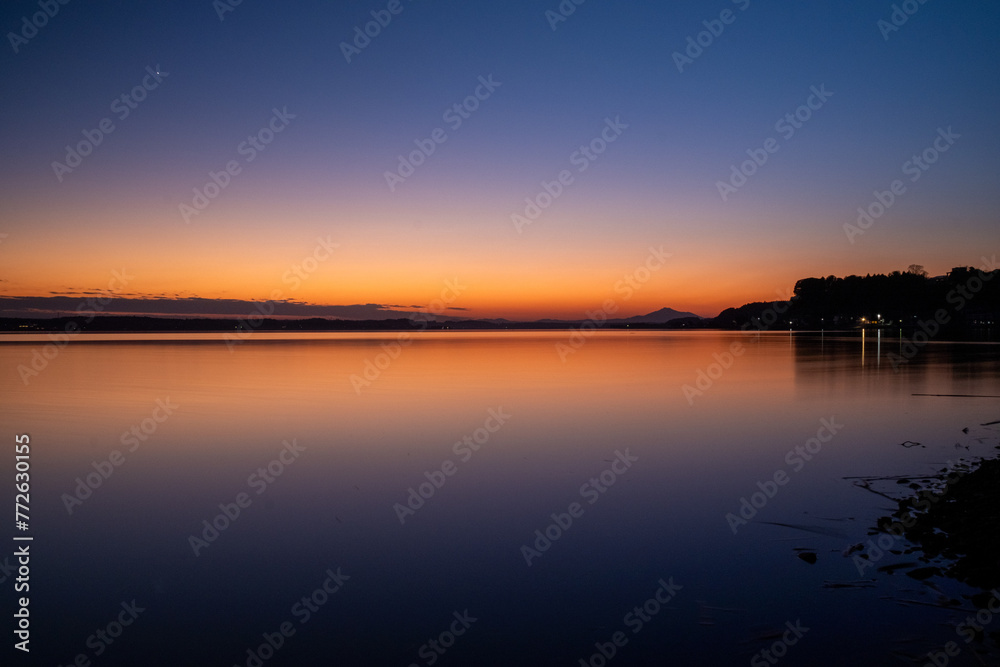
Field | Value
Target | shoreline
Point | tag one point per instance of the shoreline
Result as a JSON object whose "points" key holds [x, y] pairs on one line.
{"points": [[953, 527], [110, 324]]}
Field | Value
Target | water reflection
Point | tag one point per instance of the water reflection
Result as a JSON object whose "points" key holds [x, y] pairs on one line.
{"points": [[366, 445]]}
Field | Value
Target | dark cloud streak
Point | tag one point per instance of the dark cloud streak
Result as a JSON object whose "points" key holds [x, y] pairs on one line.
{"points": [[54, 306]]}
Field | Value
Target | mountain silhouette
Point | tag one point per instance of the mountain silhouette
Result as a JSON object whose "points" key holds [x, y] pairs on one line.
{"points": [[657, 317]]}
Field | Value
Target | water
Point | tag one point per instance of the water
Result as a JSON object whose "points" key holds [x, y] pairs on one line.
{"points": [[344, 456]]}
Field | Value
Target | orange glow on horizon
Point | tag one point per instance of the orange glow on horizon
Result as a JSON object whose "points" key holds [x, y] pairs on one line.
{"points": [[562, 269]]}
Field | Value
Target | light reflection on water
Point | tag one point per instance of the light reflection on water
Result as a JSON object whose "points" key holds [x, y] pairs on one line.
{"points": [[367, 443]]}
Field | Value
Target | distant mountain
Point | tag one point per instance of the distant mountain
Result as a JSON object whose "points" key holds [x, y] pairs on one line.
{"points": [[658, 317]]}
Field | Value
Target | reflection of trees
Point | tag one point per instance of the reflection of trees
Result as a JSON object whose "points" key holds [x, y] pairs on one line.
{"points": [[829, 364]]}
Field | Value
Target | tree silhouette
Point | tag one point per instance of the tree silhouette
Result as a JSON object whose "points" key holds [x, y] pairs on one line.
{"points": [[967, 296]]}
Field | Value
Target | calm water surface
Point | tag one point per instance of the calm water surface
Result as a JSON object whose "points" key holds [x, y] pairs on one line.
{"points": [[522, 434]]}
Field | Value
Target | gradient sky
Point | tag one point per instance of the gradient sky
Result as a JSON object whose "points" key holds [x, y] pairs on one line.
{"points": [[655, 185]]}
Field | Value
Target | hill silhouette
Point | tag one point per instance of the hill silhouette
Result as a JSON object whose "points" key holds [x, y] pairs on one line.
{"points": [[658, 317], [965, 298]]}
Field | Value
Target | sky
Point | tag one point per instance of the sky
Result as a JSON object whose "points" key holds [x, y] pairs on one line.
{"points": [[593, 156]]}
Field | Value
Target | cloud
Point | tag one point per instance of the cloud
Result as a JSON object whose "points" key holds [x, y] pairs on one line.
{"points": [[162, 306]]}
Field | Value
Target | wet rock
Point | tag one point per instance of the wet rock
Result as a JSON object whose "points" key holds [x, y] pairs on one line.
{"points": [[922, 573], [957, 524]]}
